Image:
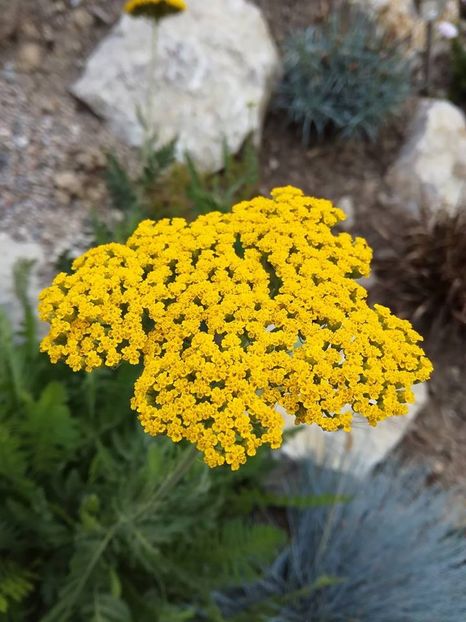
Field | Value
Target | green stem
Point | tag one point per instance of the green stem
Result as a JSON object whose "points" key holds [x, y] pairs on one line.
{"points": [[329, 523], [99, 551], [151, 89], [166, 486], [172, 480]]}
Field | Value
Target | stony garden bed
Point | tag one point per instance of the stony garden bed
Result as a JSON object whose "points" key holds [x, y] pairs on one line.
{"points": [[52, 156], [79, 168]]}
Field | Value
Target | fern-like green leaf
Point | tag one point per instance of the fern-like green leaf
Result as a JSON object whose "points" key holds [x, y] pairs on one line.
{"points": [[13, 461], [12, 377], [21, 277], [16, 583], [246, 548], [8, 535], [235, 552], [48, 428]]}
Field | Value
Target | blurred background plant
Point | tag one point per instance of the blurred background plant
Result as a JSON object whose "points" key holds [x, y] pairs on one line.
{"points": [[458, 72], [163, 188], [391, 553], [422, 271], [342, 76]]}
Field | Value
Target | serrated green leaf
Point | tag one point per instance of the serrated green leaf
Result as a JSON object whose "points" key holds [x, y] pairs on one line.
{"points": [[15, 583], [49, 431], [3, 604], [13, 460]]}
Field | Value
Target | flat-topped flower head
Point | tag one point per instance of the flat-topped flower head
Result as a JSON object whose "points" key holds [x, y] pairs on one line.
{"points": [[155, 9], [233, 314]]}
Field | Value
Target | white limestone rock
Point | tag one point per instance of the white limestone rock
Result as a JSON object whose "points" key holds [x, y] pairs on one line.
{"points": [[215, 68], [346, 203], [431, 168], [358, 451], [11, 252]]}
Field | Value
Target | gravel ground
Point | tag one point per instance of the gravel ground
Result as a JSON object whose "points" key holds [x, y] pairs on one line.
{"points": [[51, 148]]}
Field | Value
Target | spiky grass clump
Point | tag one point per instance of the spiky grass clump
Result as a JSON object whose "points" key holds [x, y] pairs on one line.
{"points": [[388, 554], [342, 75], [424, 273], [458, 71]]}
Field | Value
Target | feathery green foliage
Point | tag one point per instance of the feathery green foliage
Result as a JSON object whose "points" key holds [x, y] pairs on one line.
{"points": [[342, 76], [15, 584], [88, 531], [237, 181], [163, 188]]}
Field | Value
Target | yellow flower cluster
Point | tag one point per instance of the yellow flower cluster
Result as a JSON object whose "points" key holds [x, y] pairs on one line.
{"points": [[232, 315], [154, 8]]}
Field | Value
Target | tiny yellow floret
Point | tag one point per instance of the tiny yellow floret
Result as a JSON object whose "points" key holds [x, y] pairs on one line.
{"points": [[156, 9], [233, 314]]}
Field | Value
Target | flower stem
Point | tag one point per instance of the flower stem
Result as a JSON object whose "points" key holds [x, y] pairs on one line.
{"points": [[149, 129], [172, 480], [166, 486]]}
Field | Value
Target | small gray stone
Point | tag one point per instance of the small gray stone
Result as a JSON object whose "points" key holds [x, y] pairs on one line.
{"points": [[30, 56], [82, 19], [21, 142], [91, 159], [346, 203], [69, 183]]}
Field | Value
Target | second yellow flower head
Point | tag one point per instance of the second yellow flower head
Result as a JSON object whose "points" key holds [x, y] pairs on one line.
{"points": [[155, 9]]}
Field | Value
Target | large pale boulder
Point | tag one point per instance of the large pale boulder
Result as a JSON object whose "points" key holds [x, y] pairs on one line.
{"points": [[431, 168], [358, 451], [215, 67]]}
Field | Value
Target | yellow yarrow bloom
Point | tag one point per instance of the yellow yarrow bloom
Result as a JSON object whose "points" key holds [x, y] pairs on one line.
{"points": [[233, 314], [154, 8]]}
